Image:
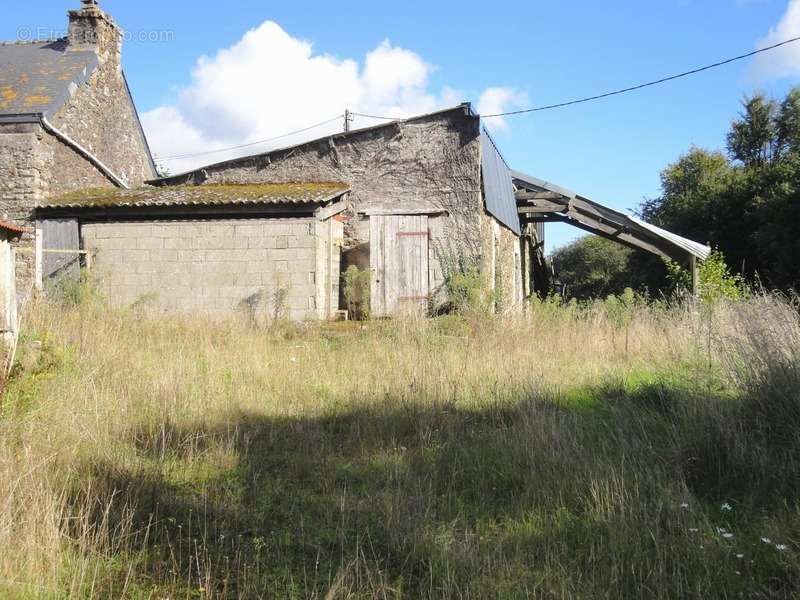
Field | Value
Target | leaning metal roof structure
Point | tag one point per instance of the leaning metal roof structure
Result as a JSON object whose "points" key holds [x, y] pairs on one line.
{"points": [[540, 201]]}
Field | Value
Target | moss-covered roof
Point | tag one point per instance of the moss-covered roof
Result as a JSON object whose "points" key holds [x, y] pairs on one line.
{"points": [[202, 195]]}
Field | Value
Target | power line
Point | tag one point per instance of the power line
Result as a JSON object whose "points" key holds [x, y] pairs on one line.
{"points": [[504, 114], [645, 85], [355, 114], [279, 137]]}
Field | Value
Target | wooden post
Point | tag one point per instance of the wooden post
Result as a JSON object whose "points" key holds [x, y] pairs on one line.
{"points": [[695, 276], [38, 279], [348, 118]]}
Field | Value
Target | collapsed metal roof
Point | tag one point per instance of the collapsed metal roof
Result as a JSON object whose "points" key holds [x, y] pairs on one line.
{"points": [[540, 201], [202, 195], [37, 78]]}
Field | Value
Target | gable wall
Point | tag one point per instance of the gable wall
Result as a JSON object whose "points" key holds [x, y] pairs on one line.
{"points": [[101, 117], [429, 164]]}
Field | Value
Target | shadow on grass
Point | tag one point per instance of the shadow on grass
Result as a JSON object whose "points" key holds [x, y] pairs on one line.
{"points": [[403, 499]]}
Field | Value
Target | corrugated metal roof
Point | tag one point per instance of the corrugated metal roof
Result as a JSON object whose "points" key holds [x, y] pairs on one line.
{"points": [[498, 186], [37, 77], [701, 251], [631, 224], [203, 195]]}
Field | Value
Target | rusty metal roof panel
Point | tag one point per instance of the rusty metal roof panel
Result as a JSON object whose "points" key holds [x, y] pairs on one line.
{"points": [[498, 186], [37, 78], [203, 195]]}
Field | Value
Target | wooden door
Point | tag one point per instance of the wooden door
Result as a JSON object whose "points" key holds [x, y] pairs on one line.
{"points": [[399, 264]]}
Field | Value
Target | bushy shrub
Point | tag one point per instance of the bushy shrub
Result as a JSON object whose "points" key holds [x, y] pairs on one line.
{"points": [[716, 280], [357, 286]]}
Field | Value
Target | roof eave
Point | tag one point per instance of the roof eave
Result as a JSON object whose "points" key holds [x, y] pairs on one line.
{"points": [[21, 118]]}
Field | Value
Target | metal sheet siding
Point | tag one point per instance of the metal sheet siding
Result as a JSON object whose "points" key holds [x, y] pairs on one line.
{"points": [[60, 234], [498, 186]]}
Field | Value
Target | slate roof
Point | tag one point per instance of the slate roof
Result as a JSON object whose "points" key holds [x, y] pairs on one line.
{"points": [[203, 195], [36, 78]]}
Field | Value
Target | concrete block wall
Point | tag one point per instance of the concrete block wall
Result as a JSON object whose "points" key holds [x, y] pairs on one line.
{"points": [[222, 267]]}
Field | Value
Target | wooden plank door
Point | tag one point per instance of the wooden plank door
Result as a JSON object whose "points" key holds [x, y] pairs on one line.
{"points": [[399, 263]]}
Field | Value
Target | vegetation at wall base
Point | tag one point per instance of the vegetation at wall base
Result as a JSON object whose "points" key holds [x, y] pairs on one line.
{"points": [[610, 450]]}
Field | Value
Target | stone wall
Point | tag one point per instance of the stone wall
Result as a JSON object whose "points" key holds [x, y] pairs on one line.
{"points": [[258, 267], [23, 166], [503, 264], [101, 118], [33, 165], [431, 163]]}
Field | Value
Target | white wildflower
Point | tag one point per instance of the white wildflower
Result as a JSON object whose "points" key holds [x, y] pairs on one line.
{"points": [[727, 536], [766, 540], [781, 547], [726, 507], [693, 530], [684, 505], [740, 556]]}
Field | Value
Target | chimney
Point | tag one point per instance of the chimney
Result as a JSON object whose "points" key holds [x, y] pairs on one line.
{"points": [[92, 29]]}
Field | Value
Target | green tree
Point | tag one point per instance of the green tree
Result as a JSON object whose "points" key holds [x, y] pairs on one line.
{"points": [[788, 122], [593, 267], [753, 139], [692, 189], [747, 205]]}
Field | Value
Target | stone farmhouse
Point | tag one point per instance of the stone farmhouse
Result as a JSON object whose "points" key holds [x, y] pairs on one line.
{"points": [[67, 120], [409, 200]]}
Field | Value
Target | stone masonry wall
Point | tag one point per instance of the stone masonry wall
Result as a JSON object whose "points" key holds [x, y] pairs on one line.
{"points": [[503, 264], [22, 168], [33, 165], [255, 266], [431, 163], [101, 118]]}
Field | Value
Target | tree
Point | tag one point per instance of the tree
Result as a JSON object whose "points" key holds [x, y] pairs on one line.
{"points": [[691, 191], [747, 206], [753, 139], [789, 124], [594, 267]]}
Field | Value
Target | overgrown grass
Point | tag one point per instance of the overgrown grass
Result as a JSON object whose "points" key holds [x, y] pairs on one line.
{"points": [[572, 453]]}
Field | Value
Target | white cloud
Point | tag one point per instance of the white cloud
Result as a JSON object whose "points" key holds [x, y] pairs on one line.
{"points": [[498, 100], [784, 61], [270, 83]]}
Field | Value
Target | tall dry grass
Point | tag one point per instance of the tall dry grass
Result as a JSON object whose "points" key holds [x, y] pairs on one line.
{"points": [[575, 452]]}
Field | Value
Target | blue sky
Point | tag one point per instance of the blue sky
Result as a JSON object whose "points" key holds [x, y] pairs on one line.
{"points": [[316, 56]]}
